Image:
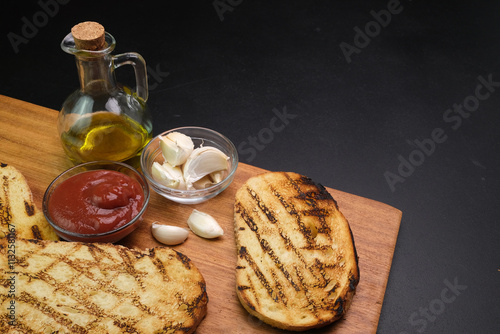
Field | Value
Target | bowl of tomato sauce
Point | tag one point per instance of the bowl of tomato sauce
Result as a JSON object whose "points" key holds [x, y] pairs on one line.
{"points": [[98, 201]]}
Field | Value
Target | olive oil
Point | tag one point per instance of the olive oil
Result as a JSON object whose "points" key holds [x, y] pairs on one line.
{"points": [[104, 136]]}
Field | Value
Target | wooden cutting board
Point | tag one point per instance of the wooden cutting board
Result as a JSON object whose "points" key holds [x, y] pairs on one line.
{"points": [[29, 141]]}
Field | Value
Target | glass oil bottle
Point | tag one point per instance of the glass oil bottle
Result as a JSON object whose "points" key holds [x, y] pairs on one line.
{"points": [[103, 120]]}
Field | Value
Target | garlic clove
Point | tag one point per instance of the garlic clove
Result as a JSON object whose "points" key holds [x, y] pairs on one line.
{"points": [[176, 174], [169, 235], [168, 176], [218, 176], [203, 183], [160, 175], [204, 225], [203, 161], [176, 148]]}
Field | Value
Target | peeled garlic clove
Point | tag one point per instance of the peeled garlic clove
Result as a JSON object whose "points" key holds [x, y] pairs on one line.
{"points": [[168, 176], [203, 183], [169, 235], [176, 148], [161, 175], [176, 174], [190, 186], [203, 161], [209, 180], [217, 177], [204, 225]]}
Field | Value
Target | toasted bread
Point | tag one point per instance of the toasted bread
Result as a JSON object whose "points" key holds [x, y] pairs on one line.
{"points": [[19, 216], [297, 266], [71, 287]]}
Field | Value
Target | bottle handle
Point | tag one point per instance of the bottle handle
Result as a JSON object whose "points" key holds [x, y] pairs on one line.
{"points": [[140, 69]]}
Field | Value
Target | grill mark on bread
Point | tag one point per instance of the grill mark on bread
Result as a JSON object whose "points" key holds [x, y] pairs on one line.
{"points": [[90, 307], [98, 255], [22, 328], [160, 266], [305, 230], [311, 198], [265, 246], [5, 215], [262, 206], [59, 281], [248, 258], [252, 290], [292, 211], [191, 307], [49, 312], [290, 208], [36, 232], [19, 215], [312, 306], [246, 217], [284, 219], [30, 208], [269, 251], [281, 295], [184, 259], [271, 290]]}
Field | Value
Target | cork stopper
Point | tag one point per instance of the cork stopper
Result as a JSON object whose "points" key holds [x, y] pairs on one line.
{"points": [[89, 36]]}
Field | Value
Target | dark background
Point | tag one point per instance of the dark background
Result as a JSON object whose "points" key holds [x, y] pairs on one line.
{"points": [[349, 124]]}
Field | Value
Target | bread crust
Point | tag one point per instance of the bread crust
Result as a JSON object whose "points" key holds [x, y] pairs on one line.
{"points": [[72, 287], [297, 266]]}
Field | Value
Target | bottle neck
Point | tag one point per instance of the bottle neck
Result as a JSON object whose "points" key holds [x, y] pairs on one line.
{"points": [[96, 74]]}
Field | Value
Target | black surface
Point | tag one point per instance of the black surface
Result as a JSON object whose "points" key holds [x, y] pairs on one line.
{"points": [[348, 122]]}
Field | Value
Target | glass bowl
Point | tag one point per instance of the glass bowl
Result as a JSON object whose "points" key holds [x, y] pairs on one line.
{"points": [[200, 136], [104, 237]]}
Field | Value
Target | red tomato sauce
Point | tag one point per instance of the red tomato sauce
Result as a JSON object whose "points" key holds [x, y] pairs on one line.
{"points": [[95, 201]]}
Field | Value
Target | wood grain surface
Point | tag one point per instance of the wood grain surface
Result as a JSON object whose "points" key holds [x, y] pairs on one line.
{"points": [[29, 141]]}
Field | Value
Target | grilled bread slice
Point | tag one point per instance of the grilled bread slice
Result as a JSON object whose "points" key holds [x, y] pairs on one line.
{"points": [[19, 216], [70, 287], [297, 266]]}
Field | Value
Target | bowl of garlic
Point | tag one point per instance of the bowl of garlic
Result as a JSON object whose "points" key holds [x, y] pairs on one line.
{"points": [[189, 165]]}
